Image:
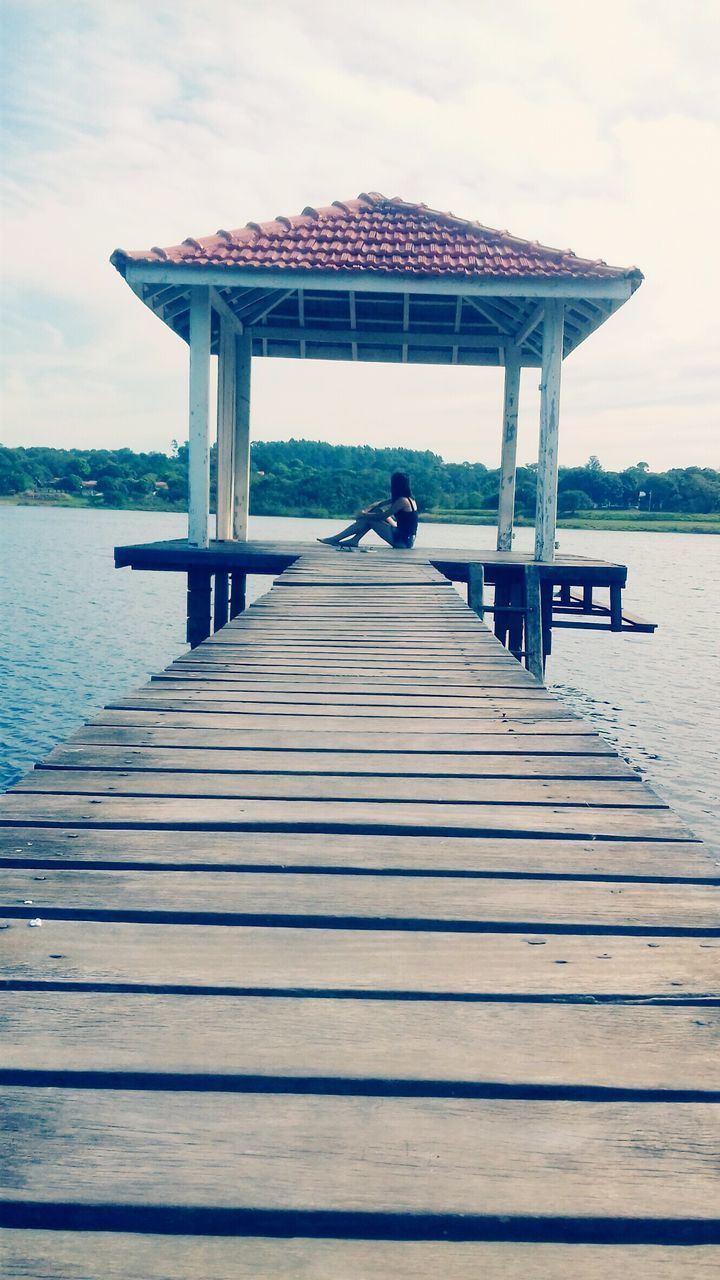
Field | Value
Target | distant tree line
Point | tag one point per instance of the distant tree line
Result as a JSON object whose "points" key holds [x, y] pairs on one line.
{"points": [[309, 477]]}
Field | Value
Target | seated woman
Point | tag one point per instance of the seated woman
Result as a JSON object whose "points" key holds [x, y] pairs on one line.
{"points": [[395, 519]]}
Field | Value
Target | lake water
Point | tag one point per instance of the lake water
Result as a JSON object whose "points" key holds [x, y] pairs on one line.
{"points": [[75, 633]]}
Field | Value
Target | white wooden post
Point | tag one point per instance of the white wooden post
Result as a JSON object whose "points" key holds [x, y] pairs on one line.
{"points": [[241, 498], [199, 425], [506, 505], [225, 432], [547, 474]]}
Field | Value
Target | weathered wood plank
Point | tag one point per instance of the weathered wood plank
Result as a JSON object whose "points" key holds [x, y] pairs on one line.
{"points": [[364, 659], [67, 1255], [430, 687], [197, 814], [419, 1156], [513, 903], [219, 700], [507, 739], [455, 965], [215, 717], [628, 792], [397, 854], [76, 1256], [576, 1047], [394, 764], [271, 639], [499, 695], [379, 635]]}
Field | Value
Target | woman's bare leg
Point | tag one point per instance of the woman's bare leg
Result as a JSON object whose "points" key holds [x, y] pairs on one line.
{"points": [[345, 533], [382, 528], [351, 536]]}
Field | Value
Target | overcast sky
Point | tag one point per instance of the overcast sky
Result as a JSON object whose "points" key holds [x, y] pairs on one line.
{"points": [[589, 126]]}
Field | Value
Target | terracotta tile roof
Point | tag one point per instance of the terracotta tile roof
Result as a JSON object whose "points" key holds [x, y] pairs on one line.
{"points": [[374, 233]]}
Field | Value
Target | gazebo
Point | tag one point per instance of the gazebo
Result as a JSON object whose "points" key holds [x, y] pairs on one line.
{"points": [[372, 279]]}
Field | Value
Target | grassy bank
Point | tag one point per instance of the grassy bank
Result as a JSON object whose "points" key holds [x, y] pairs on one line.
{"points": [[621, 521], [72, 500]]}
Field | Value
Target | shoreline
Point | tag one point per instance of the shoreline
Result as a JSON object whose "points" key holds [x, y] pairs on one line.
{"points": [[612, 521]]}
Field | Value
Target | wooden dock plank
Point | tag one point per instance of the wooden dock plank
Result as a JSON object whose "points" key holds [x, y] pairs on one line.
{"points": [[393, 816], [515, 903], [422, 726], [228, 690], [568, 1048], [424, 1156], [67, 1255], [626, 793], [335, 682], [453, 965], [139, 728], [345, 851], [218, 701], [374, 763]]}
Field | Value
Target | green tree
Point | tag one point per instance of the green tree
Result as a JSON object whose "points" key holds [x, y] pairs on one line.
{"points": [[572, 500]]}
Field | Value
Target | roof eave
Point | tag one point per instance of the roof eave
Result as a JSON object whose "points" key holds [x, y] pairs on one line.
{"points": [[613, 286]]}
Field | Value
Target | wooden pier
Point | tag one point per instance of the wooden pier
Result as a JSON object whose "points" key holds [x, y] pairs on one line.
{"points": [[566, 587], [343, 950]]}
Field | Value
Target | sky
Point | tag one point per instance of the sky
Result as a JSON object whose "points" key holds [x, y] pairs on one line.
{"points": [[594, 126]]}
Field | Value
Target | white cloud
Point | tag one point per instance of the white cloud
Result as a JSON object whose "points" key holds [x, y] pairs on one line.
{"points": [[136, 124]]}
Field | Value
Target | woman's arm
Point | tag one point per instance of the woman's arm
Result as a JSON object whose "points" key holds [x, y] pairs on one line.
{"points": [[377, 508]]}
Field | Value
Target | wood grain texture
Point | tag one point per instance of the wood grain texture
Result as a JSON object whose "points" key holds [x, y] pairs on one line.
{"points": [[540, 819], [465, 684], [427, 730], [583, 905], [330, 763], [417, 702], [484, 855], [388, 714], [627, 793], [285, 959], [427, 1156], [326, 684], [503, 1043], [504, 738], [108, 1255]]}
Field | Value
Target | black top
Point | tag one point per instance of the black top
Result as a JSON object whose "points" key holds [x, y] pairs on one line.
{"points": [[407, 523]]}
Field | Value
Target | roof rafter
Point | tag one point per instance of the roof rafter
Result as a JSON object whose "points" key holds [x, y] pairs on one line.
{"points": [[265, 308]]}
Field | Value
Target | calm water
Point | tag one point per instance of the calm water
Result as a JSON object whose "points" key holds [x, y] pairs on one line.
{"points": [[75, 633]]}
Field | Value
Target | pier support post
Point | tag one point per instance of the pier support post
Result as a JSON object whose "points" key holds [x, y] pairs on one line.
{"points": [[516, 617], [238, 583], [616, 616], [199, 418], [476, 590], [546, 612], [508, 460], [533, 624], [501, 618], [220, 600], [547, 474], [198, 606], [225, 432], [241, 486]]}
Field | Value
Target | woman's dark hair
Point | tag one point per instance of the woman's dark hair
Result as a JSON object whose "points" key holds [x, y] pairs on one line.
{"points": [[400, 485]]}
